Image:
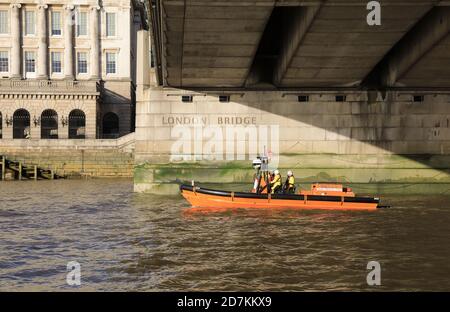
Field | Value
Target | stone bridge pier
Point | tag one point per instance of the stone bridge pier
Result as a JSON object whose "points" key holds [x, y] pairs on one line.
{"points": [[314, 85]]}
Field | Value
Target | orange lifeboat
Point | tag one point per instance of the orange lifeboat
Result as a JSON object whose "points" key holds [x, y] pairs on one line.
{"points": [[321, 196]]}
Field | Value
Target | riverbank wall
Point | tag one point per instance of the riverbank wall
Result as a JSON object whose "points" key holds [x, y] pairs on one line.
{"points": [[363, 138], [75, 158]]}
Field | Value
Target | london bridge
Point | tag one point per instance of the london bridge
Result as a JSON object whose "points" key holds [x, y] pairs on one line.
{"points": [[349, 83], [262, 109]]}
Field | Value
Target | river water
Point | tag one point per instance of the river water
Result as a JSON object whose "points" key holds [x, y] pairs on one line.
{"points": [[135, 242]]}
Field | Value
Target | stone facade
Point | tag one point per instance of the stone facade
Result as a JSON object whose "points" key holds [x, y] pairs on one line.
{"points": [[68, 67], [112, 158], [353, 137], [392, 141]]}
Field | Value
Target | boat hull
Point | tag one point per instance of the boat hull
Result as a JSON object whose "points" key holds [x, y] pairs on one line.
{"points": [[206, 198]]}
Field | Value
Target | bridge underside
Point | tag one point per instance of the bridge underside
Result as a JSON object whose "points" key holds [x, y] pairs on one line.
{"points": [[297, 44], [374, 99]]}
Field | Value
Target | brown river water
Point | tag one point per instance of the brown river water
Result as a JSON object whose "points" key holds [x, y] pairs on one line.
{"points": [[135, 242]]}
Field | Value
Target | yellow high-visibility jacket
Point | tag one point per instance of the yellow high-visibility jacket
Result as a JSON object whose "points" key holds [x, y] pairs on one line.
{"points": [[276, 182], [291, 182]]}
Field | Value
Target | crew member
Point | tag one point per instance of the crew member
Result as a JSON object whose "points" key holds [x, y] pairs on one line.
{"points": [[276, 182], [289, 186], [257, 175]]}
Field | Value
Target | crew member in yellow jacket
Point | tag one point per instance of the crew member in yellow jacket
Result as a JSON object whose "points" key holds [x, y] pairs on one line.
{"points": [[289, 186], [276, 182]]}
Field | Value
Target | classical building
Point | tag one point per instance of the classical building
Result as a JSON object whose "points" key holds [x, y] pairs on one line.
{"points": [[67, 68]]}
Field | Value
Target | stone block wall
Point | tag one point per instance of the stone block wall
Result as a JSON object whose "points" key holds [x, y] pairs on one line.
{"points": [[361, 138], [93, 158]]}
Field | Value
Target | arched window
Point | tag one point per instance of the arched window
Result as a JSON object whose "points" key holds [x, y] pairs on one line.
{"points": [[110, 126], [21, 124], [1, 125], [49, 124], [77, 124]]}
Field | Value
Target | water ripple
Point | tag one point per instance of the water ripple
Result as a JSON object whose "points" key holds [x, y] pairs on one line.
{"points": [[138, 242]]}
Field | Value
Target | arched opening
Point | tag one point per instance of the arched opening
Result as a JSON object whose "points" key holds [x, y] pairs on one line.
{"points": [[77, 124], [110, 126], [49, 124], [21, 124]]}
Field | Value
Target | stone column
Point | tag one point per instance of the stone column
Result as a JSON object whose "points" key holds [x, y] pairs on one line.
{"points": [[68, 42], [42, 68], [16, 54], [95, 46]]}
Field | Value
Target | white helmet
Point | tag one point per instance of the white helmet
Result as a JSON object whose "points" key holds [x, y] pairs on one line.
{"points": [[276, 172], [290, 173], [257, 163]]}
